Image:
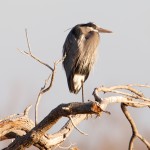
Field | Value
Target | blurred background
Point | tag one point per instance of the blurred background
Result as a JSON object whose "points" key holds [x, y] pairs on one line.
{"points": [[123, 59]]}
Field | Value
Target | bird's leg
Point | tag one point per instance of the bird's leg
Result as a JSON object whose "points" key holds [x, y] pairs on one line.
{"points": [[82, 92]]}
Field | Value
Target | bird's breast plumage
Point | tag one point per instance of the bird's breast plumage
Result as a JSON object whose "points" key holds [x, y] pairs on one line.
{"points": [[88, 53]]}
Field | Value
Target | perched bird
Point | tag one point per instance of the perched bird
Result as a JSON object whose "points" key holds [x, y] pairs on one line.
{"points": [[79, 50]]}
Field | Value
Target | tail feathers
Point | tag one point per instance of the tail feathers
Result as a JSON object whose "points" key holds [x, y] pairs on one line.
{"points": [[75, 83]]}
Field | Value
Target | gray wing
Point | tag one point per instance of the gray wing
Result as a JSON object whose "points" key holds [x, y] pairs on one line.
{"points": [[72, 49]]}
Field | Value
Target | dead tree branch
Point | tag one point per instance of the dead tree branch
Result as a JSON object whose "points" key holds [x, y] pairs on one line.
{"points": [[63, 110], [25, 133], [43, 90], [128, 100], [46, 87], [135, 132], [29, 53], [36, 135]]}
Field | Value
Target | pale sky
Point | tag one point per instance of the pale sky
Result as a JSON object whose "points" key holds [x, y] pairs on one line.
{"points": [[123, 58]]}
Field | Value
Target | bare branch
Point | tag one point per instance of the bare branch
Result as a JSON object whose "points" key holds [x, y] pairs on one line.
{"points": [[68, 147], [77, 127], [27, 41], [31, 55], [117, 99], [45, 89], [128, 100], [139, 85], [36, 135], [26, 111], [114, 89], [135, 132], [38, 131], [14, 126]]}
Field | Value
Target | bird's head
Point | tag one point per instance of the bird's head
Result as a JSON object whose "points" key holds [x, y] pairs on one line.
{"points": [[93, 27]]}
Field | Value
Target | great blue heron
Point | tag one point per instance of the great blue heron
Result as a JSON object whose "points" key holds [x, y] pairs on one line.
{"points": [[80, 50]]}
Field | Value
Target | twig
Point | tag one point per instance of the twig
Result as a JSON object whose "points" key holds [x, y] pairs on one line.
{"points": [[139, 85], [26, 111], [46, 89], [114, 89], [130, 95], [39, 98], [129, 100], [135, 132], [30, 53], [42, 91], [66, 147], [116, 99], [27, 41], [77, 127]]}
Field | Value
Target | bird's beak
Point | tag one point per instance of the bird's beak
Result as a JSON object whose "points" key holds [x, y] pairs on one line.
{"points": [[101, 30]]}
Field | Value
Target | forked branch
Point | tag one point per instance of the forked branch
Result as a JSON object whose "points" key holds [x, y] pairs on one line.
{"points": [[48, 82], [135, 132], [37, 135], [29, 53], [134, 100]]}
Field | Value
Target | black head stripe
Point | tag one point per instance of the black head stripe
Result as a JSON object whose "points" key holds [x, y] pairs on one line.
{"points": [[90, 24], [76, 31]]}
